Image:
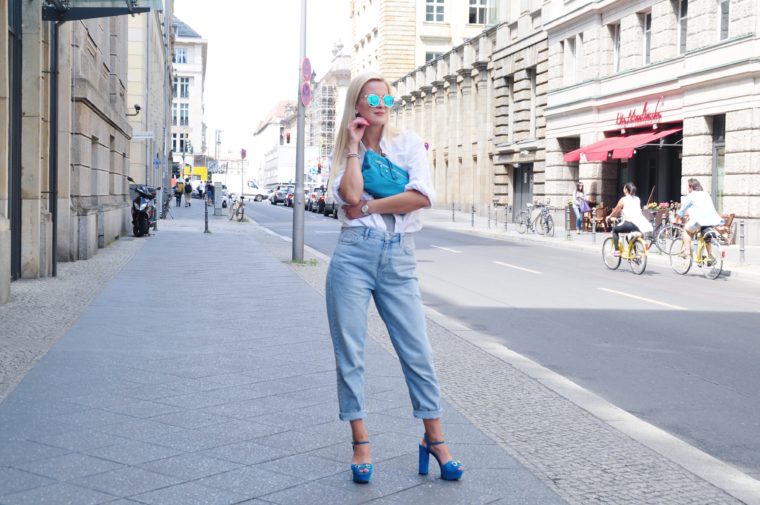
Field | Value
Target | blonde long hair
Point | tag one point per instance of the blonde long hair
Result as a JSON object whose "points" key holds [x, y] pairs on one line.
{"points": [[349, 114]]}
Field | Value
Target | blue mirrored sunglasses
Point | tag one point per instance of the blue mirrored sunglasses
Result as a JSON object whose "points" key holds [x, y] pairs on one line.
{"points": [[374, 100]]}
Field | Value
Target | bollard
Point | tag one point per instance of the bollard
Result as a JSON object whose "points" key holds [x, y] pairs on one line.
{"points": [[593, 229], [741, 242], [489, 217], [472, 217], [567, 223], [205, 207], [506, 215], [453, 217], [496, 216]]}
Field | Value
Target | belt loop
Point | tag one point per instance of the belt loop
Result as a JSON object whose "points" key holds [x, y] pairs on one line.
{"points": [[366, 232]]}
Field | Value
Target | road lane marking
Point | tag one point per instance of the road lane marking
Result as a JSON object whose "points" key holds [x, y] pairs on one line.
{"points": [[649, 300], [517, 268], [331, 232], [446, 249]]}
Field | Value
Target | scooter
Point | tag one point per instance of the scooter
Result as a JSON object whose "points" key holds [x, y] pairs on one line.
{"points": [[143, 209]]}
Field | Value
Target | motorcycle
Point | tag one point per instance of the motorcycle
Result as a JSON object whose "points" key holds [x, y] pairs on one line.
{"points": [[143, 209]]}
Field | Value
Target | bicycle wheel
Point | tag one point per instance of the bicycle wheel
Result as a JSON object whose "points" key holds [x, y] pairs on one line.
{"points": [[522, 222], [665, 236], [712, 262], [638, 260], [241, 213], [608, 248], [680, 259], [548, 226]]}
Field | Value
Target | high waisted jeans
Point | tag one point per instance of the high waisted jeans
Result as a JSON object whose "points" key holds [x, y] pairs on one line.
{"points": [[382, 265]]}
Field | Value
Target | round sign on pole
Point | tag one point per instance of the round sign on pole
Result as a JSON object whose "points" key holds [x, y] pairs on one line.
{"points": [[306, 94], [306, 69]]}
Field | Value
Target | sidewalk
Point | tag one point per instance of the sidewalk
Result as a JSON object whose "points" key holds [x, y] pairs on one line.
{"points": [[463, 222], [203, 373]]}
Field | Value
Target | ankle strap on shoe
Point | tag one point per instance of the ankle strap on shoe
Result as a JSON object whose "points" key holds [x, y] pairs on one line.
{"points": [[428, 442], [360, 443]]}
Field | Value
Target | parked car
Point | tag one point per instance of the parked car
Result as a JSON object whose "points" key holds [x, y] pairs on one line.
{"points": [[252, 191], [315, 202], [280, 194], [331, 206], [291, 195]]}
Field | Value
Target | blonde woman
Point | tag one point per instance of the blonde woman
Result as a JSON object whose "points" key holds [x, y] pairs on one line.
{"points": [[375, 259]]}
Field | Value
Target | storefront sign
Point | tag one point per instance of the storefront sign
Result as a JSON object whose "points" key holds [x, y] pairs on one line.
{"points": [[646, 116]]}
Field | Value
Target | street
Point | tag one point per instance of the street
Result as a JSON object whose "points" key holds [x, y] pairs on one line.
{"points": [[678, 352]]}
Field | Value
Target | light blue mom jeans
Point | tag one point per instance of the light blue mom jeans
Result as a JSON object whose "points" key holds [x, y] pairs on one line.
{"points": [[368, 263]]}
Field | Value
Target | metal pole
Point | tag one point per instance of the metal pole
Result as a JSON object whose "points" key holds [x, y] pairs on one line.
{"points": [[506, 215], [53, 161], [453, 218], [489, 217], [473, 216], [205, 210], [298, 216], [567, 223], [741, 242], [593, 227]]}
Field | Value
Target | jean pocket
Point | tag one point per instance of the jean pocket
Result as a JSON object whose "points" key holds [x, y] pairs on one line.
{"points": [[407, 244], [349, 236]]}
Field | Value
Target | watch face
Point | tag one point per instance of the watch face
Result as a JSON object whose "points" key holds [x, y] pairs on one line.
{"points": [[365, 209]]}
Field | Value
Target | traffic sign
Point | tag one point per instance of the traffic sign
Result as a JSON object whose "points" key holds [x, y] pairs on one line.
{"points": [[306, 69], [306, 94]]}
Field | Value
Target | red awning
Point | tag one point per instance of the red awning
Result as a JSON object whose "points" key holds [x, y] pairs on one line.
{"points": [[621, 147]]}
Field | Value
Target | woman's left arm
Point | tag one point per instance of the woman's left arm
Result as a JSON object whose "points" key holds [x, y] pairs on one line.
{"points": [[408, 201]]}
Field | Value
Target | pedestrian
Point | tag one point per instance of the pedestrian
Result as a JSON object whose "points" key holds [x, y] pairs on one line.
{"points": [[188, 192], [200, 190], [375, 258], [178, 190], [580, 206], [210, 192]]}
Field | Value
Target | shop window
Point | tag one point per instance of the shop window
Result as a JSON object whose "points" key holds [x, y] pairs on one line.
{"points": [[683, 15], [719, 160], [723, 18]]}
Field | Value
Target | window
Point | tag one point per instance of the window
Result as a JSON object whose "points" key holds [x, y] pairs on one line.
{"points": [[184, 114], [174, 114], [683, 12], [431, 55], [511, 108], [184, 87], [181, 143], [615, 34], [174, 88], [723, 18], [532, 79], [180, 55], [568, 63], [719, 160], [480, 12], [647, 32], [434, 11]]}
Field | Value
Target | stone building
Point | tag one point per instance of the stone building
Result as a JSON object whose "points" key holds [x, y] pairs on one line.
{"points": [[480, 108], [150, 88], [655, 92], [394, 37], [188, 128], [90, 198]]}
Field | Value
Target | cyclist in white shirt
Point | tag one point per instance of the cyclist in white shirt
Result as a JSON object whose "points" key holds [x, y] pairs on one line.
{"points": [[633, 219], [699, 206]]}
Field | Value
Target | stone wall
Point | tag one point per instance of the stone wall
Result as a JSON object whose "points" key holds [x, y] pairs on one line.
{"points": [[5, 233], [396, 37]]}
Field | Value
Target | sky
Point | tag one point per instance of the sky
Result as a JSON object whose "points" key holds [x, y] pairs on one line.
{"points": [[253, 58]]}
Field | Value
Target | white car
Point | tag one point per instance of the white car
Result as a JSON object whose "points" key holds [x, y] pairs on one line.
{"points": [[252, 191]]}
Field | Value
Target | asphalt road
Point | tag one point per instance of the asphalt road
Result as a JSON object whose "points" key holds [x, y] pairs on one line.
{"points": [[679, 352]]}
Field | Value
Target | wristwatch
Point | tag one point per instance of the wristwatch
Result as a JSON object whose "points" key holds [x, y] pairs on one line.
{"points": [[365, 209]]}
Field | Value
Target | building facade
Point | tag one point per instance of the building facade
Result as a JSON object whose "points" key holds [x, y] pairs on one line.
{"points": [[61, 204], [150, 88], [188, 132], [656, 92], [394, 37]]}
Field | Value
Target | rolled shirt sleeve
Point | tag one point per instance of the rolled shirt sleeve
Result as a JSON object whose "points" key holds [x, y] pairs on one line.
{"points": [[419, 167]]}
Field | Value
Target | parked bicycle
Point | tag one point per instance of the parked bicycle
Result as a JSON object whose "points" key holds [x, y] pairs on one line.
{"points": [[541, 223], [237, 209], [664, 233], [707, 250], [631, 247]]}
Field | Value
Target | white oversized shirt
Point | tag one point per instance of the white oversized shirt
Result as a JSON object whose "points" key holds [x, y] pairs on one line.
{"points": [[408, 152], [632, 214], [700, 208]]}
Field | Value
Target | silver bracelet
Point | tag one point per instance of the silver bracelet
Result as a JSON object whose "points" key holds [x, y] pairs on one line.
{"points": [[353, 155]]}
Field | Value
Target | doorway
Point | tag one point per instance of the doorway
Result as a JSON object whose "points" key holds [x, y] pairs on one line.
{"points": [[522, 182]]}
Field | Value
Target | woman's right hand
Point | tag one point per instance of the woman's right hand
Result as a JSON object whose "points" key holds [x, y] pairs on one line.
{"points": [[356, 130]]}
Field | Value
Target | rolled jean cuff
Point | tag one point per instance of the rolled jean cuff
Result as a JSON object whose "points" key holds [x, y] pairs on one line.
{"points": [[427, 414], [352, 416]]}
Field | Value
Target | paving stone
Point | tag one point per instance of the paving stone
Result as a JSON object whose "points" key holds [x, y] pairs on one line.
{"points": [[190, 419], [14, 481], [133, 453], [190, 466], [81, 440], [14, 451], [140, 429], [189, 493], [304, 464], [142, 409], [248, 452], [252, 482], [57, 494], [126, 482], [69, 467]]}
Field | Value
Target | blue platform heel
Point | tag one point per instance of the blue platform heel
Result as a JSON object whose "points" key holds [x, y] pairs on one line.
{"points": [[363, 471], [451, 470]]}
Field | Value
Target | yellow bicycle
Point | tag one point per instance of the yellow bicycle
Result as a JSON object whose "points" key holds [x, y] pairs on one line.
{"points": [[706, 249], [631, 247]]}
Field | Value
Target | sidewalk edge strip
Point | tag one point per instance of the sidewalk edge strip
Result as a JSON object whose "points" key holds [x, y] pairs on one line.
{"points": [[720, 474]]}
